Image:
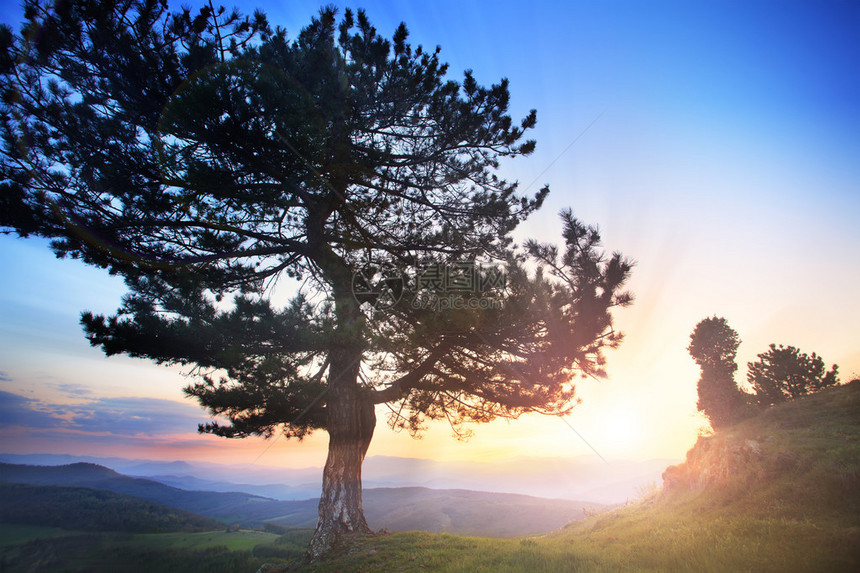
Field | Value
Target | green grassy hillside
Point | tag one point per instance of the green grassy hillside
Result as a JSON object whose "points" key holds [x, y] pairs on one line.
{"points": [[780, 492]]}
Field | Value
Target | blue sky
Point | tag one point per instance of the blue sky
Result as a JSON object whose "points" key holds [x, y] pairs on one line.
{"points": [[718, 144]]}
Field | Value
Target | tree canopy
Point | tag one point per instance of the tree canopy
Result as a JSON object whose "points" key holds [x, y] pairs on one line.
{"points": [[206, 156], [784, 373]]}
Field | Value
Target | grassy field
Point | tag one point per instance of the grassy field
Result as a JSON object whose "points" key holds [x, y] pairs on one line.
{"points": [[26, 548], [626, 540], [242, 540], [15, 533]]}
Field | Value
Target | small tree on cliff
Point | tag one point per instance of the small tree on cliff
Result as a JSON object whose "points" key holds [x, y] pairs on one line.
{"points": [[714, 345], [784, 373], [203, 156]]}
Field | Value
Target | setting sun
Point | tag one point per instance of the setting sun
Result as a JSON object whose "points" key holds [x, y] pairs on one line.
{"points": [[623, 429]]}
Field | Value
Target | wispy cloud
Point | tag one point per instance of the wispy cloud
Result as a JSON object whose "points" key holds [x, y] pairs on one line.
{"points": [[16, 410], [135, 416], [4, 376], [74, 389], [144, 417]]}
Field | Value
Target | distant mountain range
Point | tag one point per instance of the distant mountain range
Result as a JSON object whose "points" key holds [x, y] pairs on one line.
{"points": [[455, 511], [573, 479]]}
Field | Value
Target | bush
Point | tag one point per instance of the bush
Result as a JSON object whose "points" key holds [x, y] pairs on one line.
{"points": [[784, 373]]}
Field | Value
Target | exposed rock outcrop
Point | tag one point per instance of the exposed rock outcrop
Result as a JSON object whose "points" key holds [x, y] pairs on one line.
{"points": [[713, 460]]}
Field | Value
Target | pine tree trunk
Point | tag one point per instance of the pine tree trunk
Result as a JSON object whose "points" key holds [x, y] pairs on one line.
{"points": [[350, 416], [351, 421]]}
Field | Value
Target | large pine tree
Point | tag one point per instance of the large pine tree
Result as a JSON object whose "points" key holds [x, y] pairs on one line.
{"points": [[202, 156]]}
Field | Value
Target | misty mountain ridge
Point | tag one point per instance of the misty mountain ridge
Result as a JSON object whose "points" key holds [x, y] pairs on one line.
{"points": [[578, 478], [82, 474]]}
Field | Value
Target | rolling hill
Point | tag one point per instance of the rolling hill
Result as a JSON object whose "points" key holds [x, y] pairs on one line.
{"points": [[227, 506], [454, 511], [465, 512]]}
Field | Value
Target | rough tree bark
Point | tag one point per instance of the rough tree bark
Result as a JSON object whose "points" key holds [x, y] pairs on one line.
{"points": [[351, 421]]}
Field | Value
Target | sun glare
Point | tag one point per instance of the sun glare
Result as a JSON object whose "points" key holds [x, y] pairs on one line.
{"points": [[622, 428]]}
